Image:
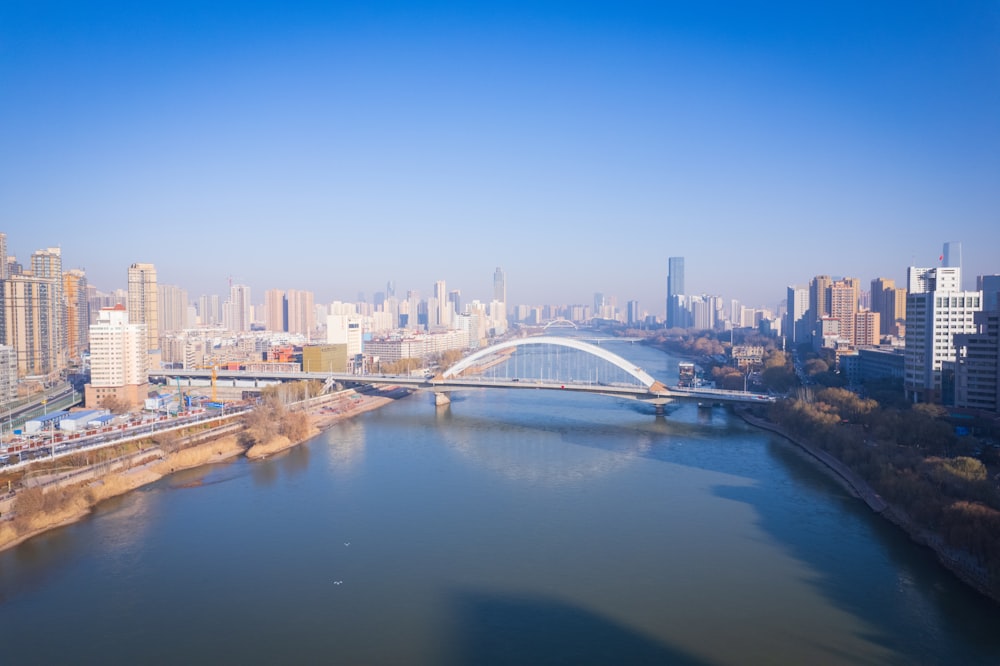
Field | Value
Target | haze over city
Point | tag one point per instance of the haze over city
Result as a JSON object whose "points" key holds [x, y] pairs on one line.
{"points": [[576, 144]]}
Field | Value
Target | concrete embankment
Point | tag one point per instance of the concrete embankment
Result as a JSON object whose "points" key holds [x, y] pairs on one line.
{"points": [[961, 564]]}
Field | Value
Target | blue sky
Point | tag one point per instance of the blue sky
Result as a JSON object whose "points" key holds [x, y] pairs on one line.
{"points": [[335, 146]]}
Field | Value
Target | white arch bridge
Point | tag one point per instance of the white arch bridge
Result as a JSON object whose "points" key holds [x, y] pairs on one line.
{"points": [[538, 363]]}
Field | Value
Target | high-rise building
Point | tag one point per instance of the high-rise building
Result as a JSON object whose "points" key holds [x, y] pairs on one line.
{"points": [[844, 305], [143, 301], [499, 285], [439, 315], [633, 316], [882, 298], [238, 314], [3, 256], [275, 310], [675, 288], [866, 328], [215, 315], [301, 311], [29, 323], [936, 310], [951, 255], [977, 367], [172, 303], [990, 286], [819, 298], [119, 362], [47, 264], [797, 324], [75, 290]]}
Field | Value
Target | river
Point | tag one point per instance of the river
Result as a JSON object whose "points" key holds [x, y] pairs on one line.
{"points": [[511, 527]]}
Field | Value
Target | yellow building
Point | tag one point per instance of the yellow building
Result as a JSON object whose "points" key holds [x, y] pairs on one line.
{"points": [[324, 358]]}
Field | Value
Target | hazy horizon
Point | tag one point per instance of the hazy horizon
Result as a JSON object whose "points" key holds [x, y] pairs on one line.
{"points": [[577, 145]]}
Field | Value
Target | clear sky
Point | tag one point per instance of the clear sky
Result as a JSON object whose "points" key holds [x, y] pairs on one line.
{"points": [[333, 146]]}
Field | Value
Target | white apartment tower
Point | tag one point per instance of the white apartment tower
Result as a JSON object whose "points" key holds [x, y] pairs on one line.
{"points": [[936, 311], [238, 310], [119, 362]]}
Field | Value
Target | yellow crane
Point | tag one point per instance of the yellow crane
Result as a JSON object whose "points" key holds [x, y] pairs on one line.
{"points": [[215, 375]]}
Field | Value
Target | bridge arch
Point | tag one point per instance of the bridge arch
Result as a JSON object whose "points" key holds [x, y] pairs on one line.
{"points": [[560, 323], [641, 375]]}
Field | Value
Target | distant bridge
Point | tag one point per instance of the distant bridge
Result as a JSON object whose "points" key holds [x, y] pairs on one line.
{"points": [[542, 362]]}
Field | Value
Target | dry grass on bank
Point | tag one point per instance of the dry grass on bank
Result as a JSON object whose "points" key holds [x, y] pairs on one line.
{"points": [[38, 510]]}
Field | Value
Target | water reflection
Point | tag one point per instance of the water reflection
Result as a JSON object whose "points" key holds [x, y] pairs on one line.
{"points": [[345, 443], [539, 457]]}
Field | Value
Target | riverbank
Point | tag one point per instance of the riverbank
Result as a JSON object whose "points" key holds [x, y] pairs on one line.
{"points": [[322, 415], [64, 502], [957, 562]]}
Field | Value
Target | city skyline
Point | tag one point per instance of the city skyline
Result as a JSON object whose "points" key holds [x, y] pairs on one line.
{"points": [[577, 145]]}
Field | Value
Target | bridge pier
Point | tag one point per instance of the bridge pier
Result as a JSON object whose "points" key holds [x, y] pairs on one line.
{"points": [[441, 398], [660, 411]]}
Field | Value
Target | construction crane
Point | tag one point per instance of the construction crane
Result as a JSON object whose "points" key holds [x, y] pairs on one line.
{"points": [[215, 375]]}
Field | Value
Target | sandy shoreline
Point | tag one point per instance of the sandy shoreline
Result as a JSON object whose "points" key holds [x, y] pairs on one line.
{"points": [[78, 500]]}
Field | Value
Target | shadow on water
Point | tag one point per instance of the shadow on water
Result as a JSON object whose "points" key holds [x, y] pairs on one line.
{"points": [[493, 630], [924, 598]]}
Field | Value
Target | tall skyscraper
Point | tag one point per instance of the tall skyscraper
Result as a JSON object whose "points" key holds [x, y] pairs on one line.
{"points": [[3, 256], [143, 301], [675, 289], [936, 310], [499, 285]]}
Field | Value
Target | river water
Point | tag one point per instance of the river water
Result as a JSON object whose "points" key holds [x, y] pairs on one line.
{"points": [[512, 527]]}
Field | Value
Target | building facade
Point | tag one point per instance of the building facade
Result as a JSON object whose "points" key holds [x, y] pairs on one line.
{"points": [[143, 301], [977, 368], [8, 374], [119, 360], [29, 322], [936, 311], [75, 291]]}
